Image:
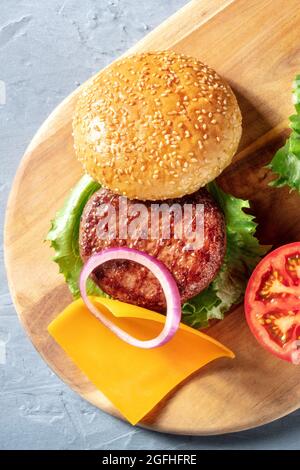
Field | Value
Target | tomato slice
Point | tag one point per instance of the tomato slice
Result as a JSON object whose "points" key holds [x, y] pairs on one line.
{"points": [[272, 302]]}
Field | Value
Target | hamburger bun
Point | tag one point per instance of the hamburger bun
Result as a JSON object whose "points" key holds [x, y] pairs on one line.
{"points": [[156, 126]]}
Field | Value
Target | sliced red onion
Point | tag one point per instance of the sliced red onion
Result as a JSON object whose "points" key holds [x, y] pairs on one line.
{"points": [[163, 275]]}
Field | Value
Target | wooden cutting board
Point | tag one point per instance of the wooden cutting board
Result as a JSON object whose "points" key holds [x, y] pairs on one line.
{"points": [[255, 45]]}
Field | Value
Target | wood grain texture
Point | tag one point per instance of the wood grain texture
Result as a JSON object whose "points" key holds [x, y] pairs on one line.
{"points": [[255, 45]]}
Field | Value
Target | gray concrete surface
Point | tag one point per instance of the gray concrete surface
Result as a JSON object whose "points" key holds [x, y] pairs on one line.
{"points": [[48, 47]]}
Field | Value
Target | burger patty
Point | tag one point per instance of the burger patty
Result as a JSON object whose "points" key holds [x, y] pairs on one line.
{"points": [[193, 267]]}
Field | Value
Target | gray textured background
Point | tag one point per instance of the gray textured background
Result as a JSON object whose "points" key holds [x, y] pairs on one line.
{"points": [[48, 47]]}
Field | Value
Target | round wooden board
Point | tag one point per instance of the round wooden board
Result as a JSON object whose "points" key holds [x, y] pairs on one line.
{"points": [[226, 395]]}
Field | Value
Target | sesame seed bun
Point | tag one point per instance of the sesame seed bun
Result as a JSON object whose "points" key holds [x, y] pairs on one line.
{"points": [[156, 126]]}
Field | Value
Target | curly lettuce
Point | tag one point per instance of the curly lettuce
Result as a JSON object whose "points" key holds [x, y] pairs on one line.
{"points": [[243, 253], [286, 162], [64, 236]]}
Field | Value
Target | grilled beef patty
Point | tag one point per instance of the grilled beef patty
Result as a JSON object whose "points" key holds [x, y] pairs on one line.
{"points": [[127, 281]]}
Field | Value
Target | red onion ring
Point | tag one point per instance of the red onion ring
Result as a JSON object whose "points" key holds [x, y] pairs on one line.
{"points": [[163, 275]]}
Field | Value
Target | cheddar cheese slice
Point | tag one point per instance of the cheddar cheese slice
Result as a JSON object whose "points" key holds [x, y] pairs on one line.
{"points": [[133, 379]]}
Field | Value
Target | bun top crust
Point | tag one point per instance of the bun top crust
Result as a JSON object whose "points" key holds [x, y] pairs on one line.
{"points": [[156, 126]]}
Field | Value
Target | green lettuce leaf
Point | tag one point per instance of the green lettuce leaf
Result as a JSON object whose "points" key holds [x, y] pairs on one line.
{"points": [[286, 162], [242, 254], [64, 236]]}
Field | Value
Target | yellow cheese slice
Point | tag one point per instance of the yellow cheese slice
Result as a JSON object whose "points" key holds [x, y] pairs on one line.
{"points": [[133, 379]]}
